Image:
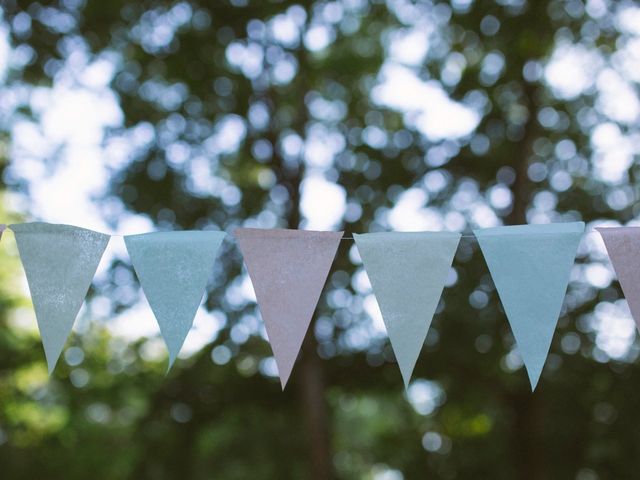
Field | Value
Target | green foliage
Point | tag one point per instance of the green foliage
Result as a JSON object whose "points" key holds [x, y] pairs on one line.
{"points": [[108, 411]]}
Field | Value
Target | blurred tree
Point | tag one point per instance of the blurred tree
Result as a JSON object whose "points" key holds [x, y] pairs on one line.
{"points": [[396, 114]]}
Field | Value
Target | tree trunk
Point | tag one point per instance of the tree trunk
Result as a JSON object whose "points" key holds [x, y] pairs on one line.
{"points": [[310, 372], [309, 366], [312, 392], [527, 406]]}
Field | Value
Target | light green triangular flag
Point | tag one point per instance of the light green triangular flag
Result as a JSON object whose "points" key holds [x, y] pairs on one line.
{"points": [[173, 269], [60, 262], [531, 266], [407, 272]]}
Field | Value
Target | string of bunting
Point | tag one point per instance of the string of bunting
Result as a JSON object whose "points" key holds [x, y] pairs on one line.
{"points": [[530, 266]]}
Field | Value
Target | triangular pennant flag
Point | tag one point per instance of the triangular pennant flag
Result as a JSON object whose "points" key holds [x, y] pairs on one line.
{"points": [[407, 272], [288, 269], [173, 269], [530, 266], [60, 262], [623, 246]]}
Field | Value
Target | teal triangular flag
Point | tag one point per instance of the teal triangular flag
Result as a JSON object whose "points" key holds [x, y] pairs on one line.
{"points": [[407, 272], [530, 266], [173, 269], [60, 262]]}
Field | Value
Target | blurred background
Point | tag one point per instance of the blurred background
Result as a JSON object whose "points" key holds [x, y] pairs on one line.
{"points": [[129, 116]]}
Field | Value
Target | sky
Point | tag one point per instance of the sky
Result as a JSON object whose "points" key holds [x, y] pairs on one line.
{"points": [[71, 118]]}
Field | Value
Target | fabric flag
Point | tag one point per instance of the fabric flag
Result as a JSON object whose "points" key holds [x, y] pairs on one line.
{"points": [[530, 266], [623, 246], [407, 272], [173, 269], [60, 262], [288, 269]]}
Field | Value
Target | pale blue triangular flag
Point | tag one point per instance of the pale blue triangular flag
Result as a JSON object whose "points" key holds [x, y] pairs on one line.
{"points": [[173, 269], [530, 266], [407, 272], [60, 262]]}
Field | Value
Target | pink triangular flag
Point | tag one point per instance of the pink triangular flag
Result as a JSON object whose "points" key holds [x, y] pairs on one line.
{"points": [[288, 269], [623, 246]]}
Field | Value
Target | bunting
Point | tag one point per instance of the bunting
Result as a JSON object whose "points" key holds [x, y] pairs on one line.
{"points": [[59, 262], [530, 266], [288, 269], [623, 246], [407, 272], [173, 269]]}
